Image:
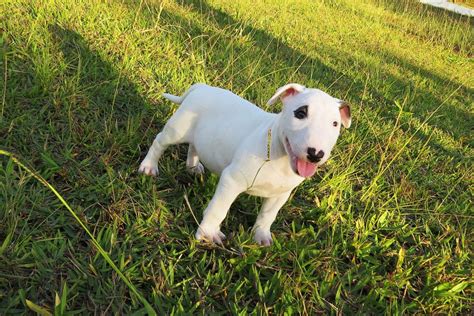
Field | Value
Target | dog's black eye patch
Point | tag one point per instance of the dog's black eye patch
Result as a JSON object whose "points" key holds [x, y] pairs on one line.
{"points": [[301, 112], [334, 124]]}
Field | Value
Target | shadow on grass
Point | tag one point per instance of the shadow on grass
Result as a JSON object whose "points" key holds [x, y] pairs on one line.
{"points": [[109, 98], [74, 127]]}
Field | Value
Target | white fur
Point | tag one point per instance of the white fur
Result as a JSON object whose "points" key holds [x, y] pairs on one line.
{"points": [[229, 136]]}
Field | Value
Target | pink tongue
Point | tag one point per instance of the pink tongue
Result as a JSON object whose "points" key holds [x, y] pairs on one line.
{"points": [[305, 169]]}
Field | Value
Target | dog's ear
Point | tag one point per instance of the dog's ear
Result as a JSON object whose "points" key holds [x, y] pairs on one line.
{"points": [[345, 110], [286, 91]]}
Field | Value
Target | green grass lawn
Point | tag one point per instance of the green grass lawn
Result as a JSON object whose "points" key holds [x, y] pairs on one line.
{"points": [[385, 227]]}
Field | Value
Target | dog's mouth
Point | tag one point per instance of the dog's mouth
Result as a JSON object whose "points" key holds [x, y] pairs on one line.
{"points": [[301, 167]]}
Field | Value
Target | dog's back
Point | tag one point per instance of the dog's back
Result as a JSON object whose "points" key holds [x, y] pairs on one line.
{"points": [[222, 121]]}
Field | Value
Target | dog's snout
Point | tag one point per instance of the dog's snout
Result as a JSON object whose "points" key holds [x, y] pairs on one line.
{"points": [[313, 156]]}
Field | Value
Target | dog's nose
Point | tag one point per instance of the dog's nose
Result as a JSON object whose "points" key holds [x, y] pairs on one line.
{"points": [[313, 156]]}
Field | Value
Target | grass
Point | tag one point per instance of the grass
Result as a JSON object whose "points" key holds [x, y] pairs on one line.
{"points": [[385, 227]]}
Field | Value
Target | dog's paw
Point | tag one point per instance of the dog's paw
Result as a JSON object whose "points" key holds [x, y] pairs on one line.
{"points": [[263, 237], [148, 168], [197, 169], [210, 235]]}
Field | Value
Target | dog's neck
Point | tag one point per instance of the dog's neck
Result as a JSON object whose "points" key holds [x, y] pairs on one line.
{"points": [[277, 149]]}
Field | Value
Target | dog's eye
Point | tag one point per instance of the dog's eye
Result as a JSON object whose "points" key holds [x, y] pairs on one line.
{"points": [[301, 112], [334, 123]]}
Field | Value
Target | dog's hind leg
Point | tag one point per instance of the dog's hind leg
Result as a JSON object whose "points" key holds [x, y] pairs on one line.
{"points": [[192, 162], [176, 131]]}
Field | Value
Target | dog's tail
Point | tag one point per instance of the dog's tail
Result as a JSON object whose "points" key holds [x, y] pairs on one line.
{"points": [[178, 100]]}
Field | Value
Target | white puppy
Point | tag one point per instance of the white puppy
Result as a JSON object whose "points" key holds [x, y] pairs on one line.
{"points": [[253, 151]]}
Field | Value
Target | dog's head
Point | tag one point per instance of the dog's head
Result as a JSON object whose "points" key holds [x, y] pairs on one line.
{"points": [[310, 123]]}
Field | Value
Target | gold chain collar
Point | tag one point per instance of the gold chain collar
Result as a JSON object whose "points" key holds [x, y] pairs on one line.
{"points": [[269, 143]]}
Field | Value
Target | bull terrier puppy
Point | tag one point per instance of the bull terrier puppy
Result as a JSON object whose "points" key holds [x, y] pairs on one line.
{"points": [[253, 151]]}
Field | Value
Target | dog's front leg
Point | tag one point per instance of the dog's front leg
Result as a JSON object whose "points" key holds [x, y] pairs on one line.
{"points": [[265, 218], [231, 184]]}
